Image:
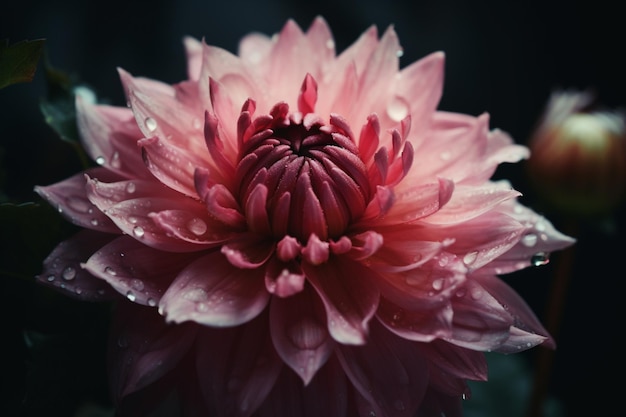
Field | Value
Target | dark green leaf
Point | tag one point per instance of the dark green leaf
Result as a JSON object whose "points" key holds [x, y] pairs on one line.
{"points": [[18, 62]]}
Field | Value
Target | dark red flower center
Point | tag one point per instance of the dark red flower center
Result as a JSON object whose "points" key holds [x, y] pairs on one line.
{"points": [[315, 180]]}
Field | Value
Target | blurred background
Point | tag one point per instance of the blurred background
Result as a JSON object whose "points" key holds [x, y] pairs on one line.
{"points": [[504, 58]]}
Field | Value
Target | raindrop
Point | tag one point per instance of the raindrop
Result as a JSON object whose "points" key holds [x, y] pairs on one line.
{"points": [[69, 273], [529, 240], [131, 296], [152, 302], [399, 53], [540, 258], [196, 295], [100, 160], [94, 222], [470, 257], [151, 124], [115, 160], [131, 187], [397, 109], [110, 271], [438, 284], [138, 231], [137, 284], [197, 226], [476, 293], [50, 278], [78, 290], [330, 44]]}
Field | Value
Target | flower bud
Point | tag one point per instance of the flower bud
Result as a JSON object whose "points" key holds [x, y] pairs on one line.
{"points": [[578, 155]]}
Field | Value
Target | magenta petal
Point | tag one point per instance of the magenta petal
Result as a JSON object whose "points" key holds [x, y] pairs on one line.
{"points": [[456, 361], [388, 372], [213, 292], [70, 199], [284, 279], [423, 325], [523, 317], [237, 367], [326, 395], [350, 297], [62, 269], [248, 251], [143, 348], [139, 272], [299, 333]]}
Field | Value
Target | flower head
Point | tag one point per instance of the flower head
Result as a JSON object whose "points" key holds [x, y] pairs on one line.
{"points": [[579, 155], [299, 232]]}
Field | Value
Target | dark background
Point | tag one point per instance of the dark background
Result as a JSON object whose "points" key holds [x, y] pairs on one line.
{"points": [[504, 58]]}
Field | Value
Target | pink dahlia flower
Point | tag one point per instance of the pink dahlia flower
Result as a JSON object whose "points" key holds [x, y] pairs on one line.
{"points": [[299, 233]]}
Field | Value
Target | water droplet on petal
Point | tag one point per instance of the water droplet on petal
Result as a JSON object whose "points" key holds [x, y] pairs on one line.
{"points": [[152, 302], [540, 258], [131, 296], [470, 257], [69, 273], [50, 278], [330, 44], [197, 226], [115, 160], [438, 284], [137, 284], [529, 240], [100, 160], [151, 124], [109, 270], [138, 231], [397, 109], [399, 53], [94, 222], [131, 187]]}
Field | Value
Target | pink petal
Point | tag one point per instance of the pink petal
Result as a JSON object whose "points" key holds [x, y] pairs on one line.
{"points": [[347, 289], [455, 361], [248, 251], [212, 292], [524, 318], [193, 225], [480, 321], [138, 272], [298, 328], [62, 269], [284, 279], [70, 199], [143, 348], [393, 386], [193, 50], [237, 367], [420, 325]]}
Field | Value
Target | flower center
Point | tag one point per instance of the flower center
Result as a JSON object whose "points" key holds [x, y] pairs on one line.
{"points": [[310, 173]]}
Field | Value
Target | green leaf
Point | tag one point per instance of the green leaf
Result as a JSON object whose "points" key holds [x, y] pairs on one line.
{"points": [[18, 62]]}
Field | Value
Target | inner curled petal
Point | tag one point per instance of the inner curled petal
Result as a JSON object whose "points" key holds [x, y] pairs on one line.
{"points": [[317, 183]]}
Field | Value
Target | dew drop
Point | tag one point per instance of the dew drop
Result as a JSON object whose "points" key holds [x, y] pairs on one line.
{"points": [[69, 273], [78, 290], [397, 109], [470, 257], [100, 160], [131, 187], [138, 231], [196, 295], [540, 258], [151, 124], [137, 284], [529, 240], [152, 302], [131, 296], [115, 160], [110, 271], [50, 278], [399, 53], [94, 222], [476, 293], [197, 226], [438, 284], [330, 44]]}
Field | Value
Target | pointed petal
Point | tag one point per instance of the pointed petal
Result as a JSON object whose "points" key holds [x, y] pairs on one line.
{"points": [[138, 272], [284, 279], [62, 269], [193, 50], [349, 294], [393, 386], [299, 333], [212, 292], [143, 348], [248, 251], [237, 367]]}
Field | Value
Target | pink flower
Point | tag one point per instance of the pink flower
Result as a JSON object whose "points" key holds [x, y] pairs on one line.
{"points": [[299, 233]]}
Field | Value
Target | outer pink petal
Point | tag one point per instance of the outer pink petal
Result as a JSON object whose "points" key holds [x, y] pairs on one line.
{"points": [[423, 325], [107, 133], [389, 372], [237, 367], [62, 268], [299, 332], [211, 291], [70, 199], [143, 348], [457, 362], [480, 322], [140, 273], [193, 50], [327, 395], [524, 318], [349, 294]]}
